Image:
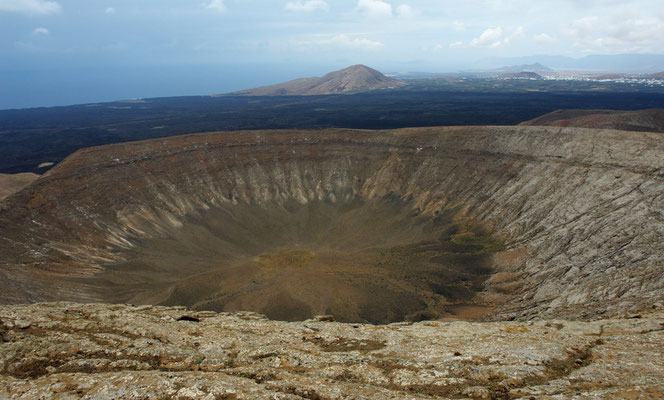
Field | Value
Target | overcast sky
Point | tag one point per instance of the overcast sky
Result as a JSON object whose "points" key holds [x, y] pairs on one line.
{"points": [[393, 35], [382, 32]]}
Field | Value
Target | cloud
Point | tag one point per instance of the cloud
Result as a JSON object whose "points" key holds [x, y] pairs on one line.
{"points": [[217, 5], [491, 38], [110, 10], [514, 35], [496, 37], [375, 8], [458, 26], [406, 11], [307, 6], [457, 45], [40, 32], [583, 29], [344, 40], [619, 32], [30, 6], [543, 39]]}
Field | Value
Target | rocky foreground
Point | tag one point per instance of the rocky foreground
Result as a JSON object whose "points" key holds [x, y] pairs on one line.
{"points": [[66, 350]]}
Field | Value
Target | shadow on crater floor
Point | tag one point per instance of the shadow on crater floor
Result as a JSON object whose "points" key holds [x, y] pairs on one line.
{"points": [[376, 261]]}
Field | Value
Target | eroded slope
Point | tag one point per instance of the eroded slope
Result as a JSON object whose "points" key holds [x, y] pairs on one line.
{"points": [[574, 215], [12, 183]]}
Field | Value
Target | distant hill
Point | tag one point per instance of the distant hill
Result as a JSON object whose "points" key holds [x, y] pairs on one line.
{"points": [[355, 79], [520, 75], [659, 75], [651, 120], [609, 76], [537, 67], [632, 63]]}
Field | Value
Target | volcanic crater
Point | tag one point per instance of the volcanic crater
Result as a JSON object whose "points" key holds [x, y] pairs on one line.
{"points": [[379, 227]]}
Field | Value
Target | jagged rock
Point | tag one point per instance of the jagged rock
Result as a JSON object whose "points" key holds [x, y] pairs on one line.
{"points": [[124, 352]]}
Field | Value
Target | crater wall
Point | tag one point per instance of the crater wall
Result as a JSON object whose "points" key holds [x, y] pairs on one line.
{"points": [[580, 212]]}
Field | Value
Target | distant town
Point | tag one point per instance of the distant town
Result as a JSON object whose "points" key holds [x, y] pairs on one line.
{"points": [[539, 72], [640, 80]]}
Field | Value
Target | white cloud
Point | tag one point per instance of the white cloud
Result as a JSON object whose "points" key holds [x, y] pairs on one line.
{"points": [[496, 37], [544, 39], [619, 32], [491, 38], [433, 49], [515, 34], [583, 29], [375, 8], [40, 32], [406, 11], [109, 10], [342, 40], [458, 26], [457, 45], [217, 5], [345, 41], [30, 6], [307, 6]]}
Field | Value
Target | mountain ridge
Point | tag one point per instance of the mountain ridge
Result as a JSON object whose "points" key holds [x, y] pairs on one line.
{"points": [[354, 79], [520, 75], [536, 67], [650, 120], [641, 63]]}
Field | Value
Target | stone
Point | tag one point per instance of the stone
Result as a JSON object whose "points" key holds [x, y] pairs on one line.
{"points": [[80, 351]]}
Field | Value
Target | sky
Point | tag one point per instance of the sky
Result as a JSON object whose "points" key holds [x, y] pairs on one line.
{"points": [[170, 47]]}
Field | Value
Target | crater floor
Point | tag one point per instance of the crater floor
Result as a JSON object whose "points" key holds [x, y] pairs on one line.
{"points": [[375, 261]]}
